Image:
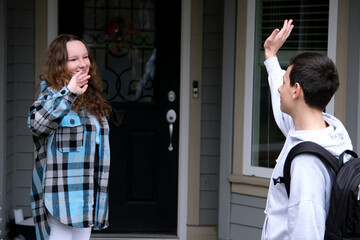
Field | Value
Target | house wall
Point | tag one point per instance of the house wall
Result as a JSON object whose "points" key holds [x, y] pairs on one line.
{"points": [[9, 173], [19, 96], [210, 115], [353, 70], [2, 110], [247, 216], [243, 216], [25, 65], [227, 109]]}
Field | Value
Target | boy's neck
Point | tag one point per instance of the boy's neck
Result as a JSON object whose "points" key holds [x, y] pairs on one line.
{"points": [[309, 119]]}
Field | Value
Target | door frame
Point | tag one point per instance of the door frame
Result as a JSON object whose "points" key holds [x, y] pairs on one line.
{"points": [[52, 29]]}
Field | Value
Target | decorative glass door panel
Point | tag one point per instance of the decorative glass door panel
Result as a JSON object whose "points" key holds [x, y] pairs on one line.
{"points": [[123, 33]]}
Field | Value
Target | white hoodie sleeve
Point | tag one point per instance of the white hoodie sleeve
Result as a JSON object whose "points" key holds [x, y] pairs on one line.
{"points": [[276, 74], [309, 191]]}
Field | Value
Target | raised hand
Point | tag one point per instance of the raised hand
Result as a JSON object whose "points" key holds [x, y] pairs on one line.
{"points": [[277, 38], [78, 83]]}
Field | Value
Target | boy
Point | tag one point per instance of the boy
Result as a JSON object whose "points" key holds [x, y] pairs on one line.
{"points": [[299, 97]]}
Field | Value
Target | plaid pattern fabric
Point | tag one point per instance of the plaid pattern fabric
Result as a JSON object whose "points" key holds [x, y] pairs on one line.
{"points": [[63, 176], [69, 139]]}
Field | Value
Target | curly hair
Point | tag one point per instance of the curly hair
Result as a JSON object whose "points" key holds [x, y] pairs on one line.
{"points": [[56, 77]]}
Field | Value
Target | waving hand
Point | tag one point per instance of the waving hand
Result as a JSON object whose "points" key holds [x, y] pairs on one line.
{"points": [[277, 38]]}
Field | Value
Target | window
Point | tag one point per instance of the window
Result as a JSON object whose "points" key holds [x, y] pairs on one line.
{"points": [[311, 19]]}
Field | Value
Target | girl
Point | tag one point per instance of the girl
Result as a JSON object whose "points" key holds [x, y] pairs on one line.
{"points": [[69, 192]]}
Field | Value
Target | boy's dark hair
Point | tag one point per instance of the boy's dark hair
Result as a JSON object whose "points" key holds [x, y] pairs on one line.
{"points": [[317, 76]]}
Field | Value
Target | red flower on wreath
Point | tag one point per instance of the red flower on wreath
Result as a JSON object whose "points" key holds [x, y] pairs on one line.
{"points": [[111, 27], [120, 31]]}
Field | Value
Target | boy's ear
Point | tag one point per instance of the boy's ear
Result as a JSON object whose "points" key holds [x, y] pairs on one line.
{"points": [[297, 90]]}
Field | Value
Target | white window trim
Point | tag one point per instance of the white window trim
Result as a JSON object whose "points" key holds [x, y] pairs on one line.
{"points": [[248, 169]]}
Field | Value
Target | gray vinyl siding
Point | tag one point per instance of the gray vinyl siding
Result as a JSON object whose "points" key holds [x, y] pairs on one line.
{"points": [[24, 92], [20, 89], [3, 116], [247, 217], [211, 110], [10, 97]]}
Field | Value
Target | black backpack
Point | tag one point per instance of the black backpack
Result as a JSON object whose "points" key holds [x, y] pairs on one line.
{"points": [[343, 220]]}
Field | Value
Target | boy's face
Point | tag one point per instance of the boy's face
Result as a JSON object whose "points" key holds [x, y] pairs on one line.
{"points": [[286, 91]]}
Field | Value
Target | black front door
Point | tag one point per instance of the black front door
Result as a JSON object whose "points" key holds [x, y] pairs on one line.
{"points": [[136, 44]]}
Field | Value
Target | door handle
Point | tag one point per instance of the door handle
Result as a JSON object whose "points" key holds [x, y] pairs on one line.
{"points": [[171, 118]]}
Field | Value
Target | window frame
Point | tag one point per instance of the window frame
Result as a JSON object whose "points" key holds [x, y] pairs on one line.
{"points": [[247, 168]]}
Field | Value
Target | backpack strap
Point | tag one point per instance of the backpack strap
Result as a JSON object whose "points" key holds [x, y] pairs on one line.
{"points": [[310, 148], [351, 153]]}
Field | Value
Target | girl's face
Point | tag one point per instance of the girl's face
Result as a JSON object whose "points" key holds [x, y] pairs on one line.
{"points": [[78, 58]]}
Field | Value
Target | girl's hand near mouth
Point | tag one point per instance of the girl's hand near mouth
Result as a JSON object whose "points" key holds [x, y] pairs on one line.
{"points": [[78, 83]]}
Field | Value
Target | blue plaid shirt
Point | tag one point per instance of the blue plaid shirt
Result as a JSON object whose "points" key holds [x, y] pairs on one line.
{"points": [[65, 168]]}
